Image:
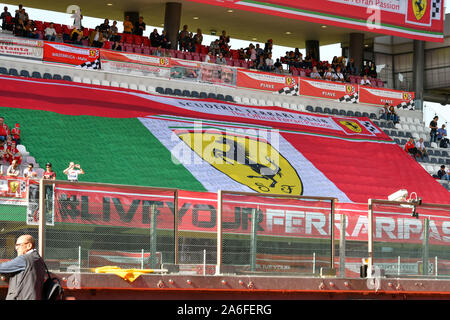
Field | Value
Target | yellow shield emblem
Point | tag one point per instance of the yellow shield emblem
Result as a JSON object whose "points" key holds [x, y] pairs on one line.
{"points": [[352, 125], [290, 81], [13, 186], [249, 161], [419, 8]]}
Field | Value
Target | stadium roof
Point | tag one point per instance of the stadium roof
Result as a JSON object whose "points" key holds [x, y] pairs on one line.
{"points": [[239, 24]]}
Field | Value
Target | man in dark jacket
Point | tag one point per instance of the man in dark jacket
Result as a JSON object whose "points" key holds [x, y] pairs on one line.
{"points": [[26, 272]]}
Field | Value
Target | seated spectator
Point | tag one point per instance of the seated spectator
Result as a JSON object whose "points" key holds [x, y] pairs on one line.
{"points": [[30, 30], [252, 53], [261, 63], [127, 26], [139, 27], [96, 38], [29, 171], [315, 74], [116, 46], [74, 36], [269, 63], [50, 33], [4, 129], [79, 39], [385, 113], [443, 174], [214, 47], [441, 132], [365, 81], [113, 32], [6, 19], [411, 148], [13, 153], [154, 38], [393, 115], [3, 154], [329, 75], [338, 76], [307, 62], [421, 148], [278, 64], [221, 59], [15, 134], [13, 169], [279, 69], [105, 28], [208, 57], [444, 142], [433, 129]]}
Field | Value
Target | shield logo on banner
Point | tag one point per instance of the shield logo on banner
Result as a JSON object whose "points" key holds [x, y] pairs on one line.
{"points": [[349, 88], [13, 186], [406, 96], [352, 125], [250, 161], [419, 8], [290, 81], [93, 53]]}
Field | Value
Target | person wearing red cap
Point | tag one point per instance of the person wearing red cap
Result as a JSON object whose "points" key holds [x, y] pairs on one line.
{"points": [[4, 130], [15, 133], [13, 153]]}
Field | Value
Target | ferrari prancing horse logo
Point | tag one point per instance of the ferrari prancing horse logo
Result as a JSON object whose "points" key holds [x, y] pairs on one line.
{"points": [[352, 125], [419, 8]]}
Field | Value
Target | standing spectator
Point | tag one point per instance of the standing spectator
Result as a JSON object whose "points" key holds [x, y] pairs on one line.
{"points": [[21, 14], [6, 19], [50, 33], [127, 26], [73, 171], [49, 174], [3, 155], [182, 37], [164, 41], [113, 32], [96, 38], [198, 39], [365, 81], [4, 129], [351, 67], [441, 132], [268, 46], [13, 169], [421, 148], [105, 28], [26, 272], [269, 63], [443, 174], [139, 27], [15, 134], [410, 147], [154, 38], [214, 47], [434, 128], [29, 171]]}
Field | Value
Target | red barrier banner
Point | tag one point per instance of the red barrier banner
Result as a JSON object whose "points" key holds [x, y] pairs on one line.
{"points": [[135, 69], [421, 20], [343, 92], [135, 58], [376, 96], [110, 206], [266, 81], [13, 187], [68, 54]]}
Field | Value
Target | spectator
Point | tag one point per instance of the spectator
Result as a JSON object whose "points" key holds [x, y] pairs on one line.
{"points": [[30, 30], [140, 27], [421, 148], [329, 75], [411, 148], [338, 76], [13, 169], [13, 153], [6, 19], [441, 132], [189, 43], [77, 34], [198, 38], [261, 63], [116, 46], [252, 54], [158, 52], [105, 29], [26, 272], [385, 113], [16, 14], [73, 171], [268, 46], [96, 38], [50, 33], [214, 47], [443, 174], [3, 154], [29, 171], [365, 81], [393, 115], [113, 32], [164, 41], [127, 26], [79, 39], [315, 74], [434, 128], [221, 59], [19, 28], [208, 57], [269, 63], [49, 174], [182, 35], [351, 67], [15, 134], [372, 70], [154, 38], [278, 64], [21, 14], [4, 130]]}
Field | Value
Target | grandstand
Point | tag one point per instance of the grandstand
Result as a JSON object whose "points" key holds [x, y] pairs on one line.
{"points": [[159, 138]]}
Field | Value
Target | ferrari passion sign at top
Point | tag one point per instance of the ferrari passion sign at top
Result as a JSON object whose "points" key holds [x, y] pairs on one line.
{"points": [[415, 19]]}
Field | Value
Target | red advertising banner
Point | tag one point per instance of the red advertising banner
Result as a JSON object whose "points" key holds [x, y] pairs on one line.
{"points": [[343, 92], [13, 187], [197, 212], [376, 96], [265, 81], [68, 54], [421, 20], [134, 58]]}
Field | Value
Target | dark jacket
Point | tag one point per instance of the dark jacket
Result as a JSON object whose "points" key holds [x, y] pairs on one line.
{"points": [[26, 276]]}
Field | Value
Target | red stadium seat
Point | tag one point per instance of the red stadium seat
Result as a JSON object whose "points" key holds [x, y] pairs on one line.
{"points": [[146, 50], [58, 28], [179, 55], [106, 45]]}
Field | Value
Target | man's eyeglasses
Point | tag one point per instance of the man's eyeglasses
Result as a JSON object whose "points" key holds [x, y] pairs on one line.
{"points": [[21, 244]]}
